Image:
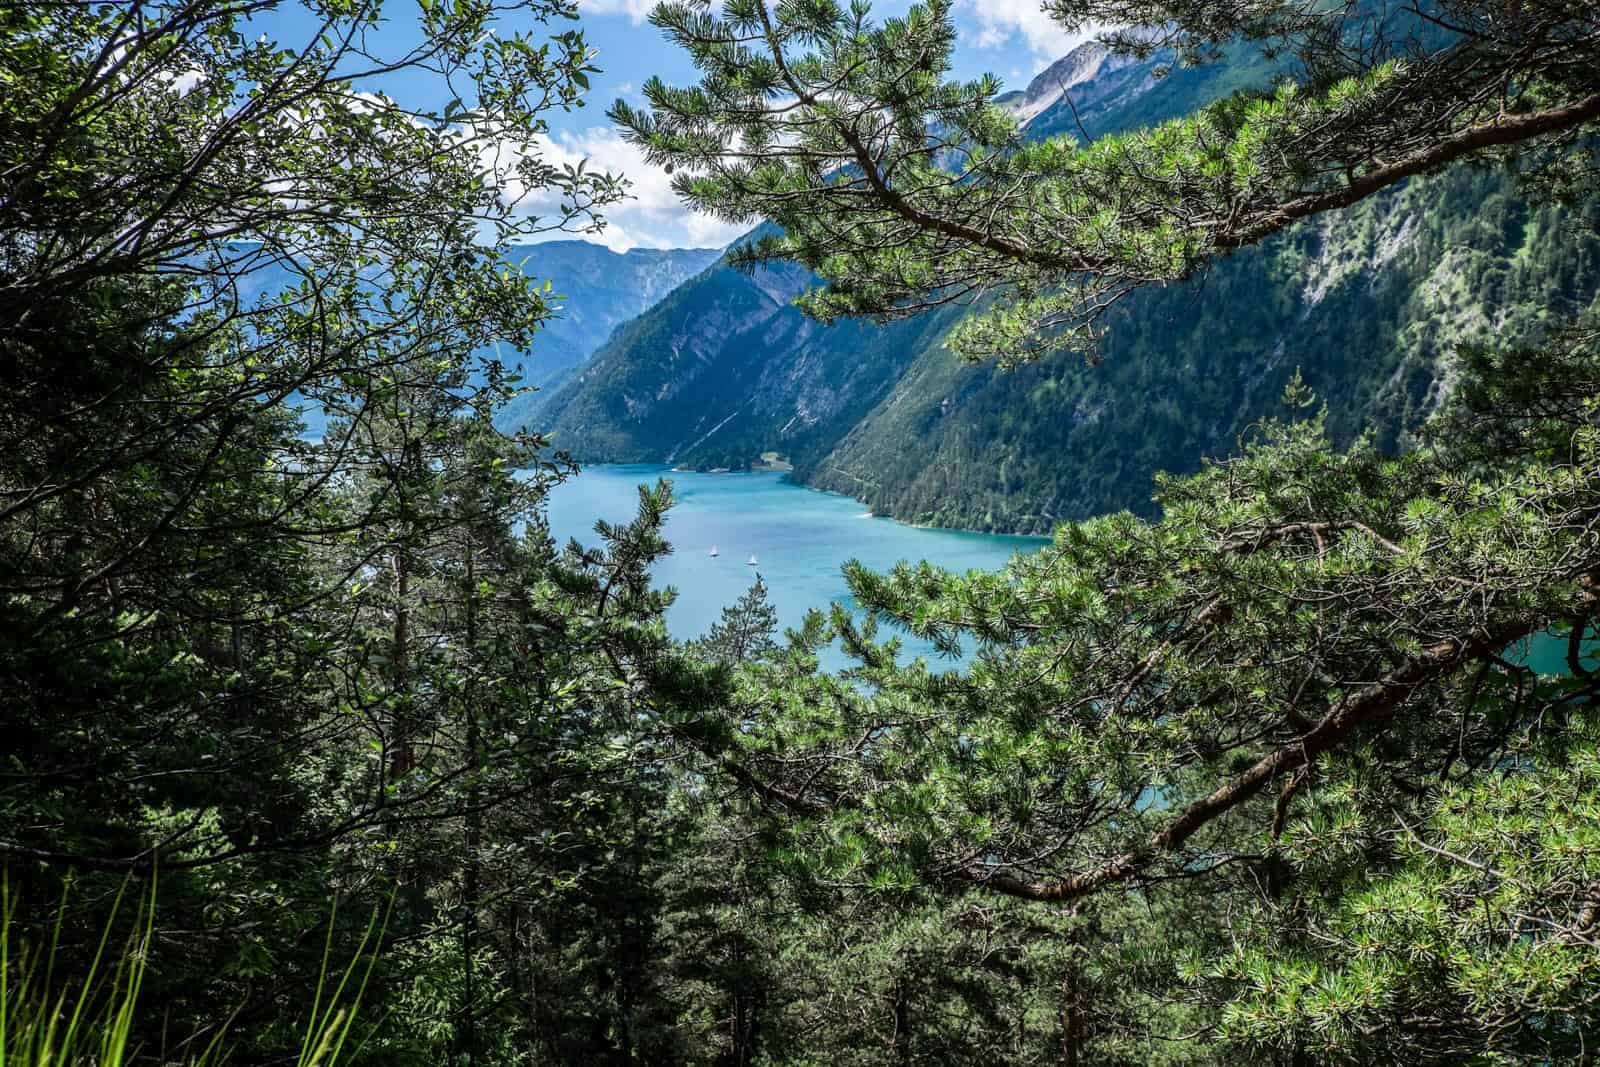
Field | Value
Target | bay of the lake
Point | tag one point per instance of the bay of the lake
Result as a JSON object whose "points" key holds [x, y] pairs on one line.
{"points": [[799, 538]]}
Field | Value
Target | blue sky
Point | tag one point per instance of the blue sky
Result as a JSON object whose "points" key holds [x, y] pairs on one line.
{"points": [[1011, 38]]}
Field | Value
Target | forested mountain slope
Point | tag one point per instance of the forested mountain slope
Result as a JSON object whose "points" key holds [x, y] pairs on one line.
{"points": [[600, 290], [1369, 303], [726, 368]]}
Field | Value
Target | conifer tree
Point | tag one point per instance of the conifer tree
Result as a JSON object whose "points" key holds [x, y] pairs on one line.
{"points": [[746, 631], [1306, 692], [279, 616]]}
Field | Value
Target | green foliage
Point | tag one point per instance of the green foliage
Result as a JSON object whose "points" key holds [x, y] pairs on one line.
{"points": [[92, 1024], [1263, 778], [1480, 929], [747, 630], [43, 1024], [1290, 698], [905, 191], [287, 668]]}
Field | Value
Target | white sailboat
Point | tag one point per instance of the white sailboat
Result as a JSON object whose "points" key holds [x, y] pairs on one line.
{"points": [[714, 551], [751, 562]]}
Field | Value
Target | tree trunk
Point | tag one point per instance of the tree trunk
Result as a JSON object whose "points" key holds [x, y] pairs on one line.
{"points": [[402, 759], [471, 874], [1071, 1004]]}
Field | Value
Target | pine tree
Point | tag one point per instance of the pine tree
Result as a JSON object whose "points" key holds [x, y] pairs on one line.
{"points": [[1299, 694], [746, 631]]}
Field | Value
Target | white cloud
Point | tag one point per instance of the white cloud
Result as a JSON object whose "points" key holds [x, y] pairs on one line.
{"points": [[634, 9], [652, 217], [185, 83], [1000, 21]]}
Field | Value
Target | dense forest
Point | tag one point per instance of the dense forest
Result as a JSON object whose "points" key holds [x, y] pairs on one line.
{"points": [[318, 748]]}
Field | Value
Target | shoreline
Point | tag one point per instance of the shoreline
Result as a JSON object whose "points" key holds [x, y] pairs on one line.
{"points": [[787, 471]]}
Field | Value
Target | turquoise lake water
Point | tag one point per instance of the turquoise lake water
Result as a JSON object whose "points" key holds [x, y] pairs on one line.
{"points": [[800, 537]]}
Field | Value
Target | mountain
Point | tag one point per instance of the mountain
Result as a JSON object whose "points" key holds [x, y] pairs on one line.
{"points": [[1368, 304], [1088, 74], [726, 368], [599, 290], [596, 290]]}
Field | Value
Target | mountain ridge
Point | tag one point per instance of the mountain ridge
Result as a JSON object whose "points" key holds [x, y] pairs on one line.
{"points": [[1368, 303], [598, 291]]}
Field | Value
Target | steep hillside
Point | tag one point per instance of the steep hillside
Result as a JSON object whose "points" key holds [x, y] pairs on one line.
{"points": [[600, 290], [1368, 303], [726, 369]]}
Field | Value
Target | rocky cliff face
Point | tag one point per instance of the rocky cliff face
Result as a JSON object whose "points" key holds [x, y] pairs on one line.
{"points": [[1369, 304], [1087, 69], [600, 290]]}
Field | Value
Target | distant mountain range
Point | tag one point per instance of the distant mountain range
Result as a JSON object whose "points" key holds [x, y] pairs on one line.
{"points": [[1369, 304], [598, 290]]}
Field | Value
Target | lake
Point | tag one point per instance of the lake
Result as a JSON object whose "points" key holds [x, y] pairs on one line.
{"points": [[799, 536]]}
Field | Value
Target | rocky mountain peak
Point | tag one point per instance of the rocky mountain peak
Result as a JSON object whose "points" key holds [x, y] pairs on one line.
{"points": [[1083, 64]]}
